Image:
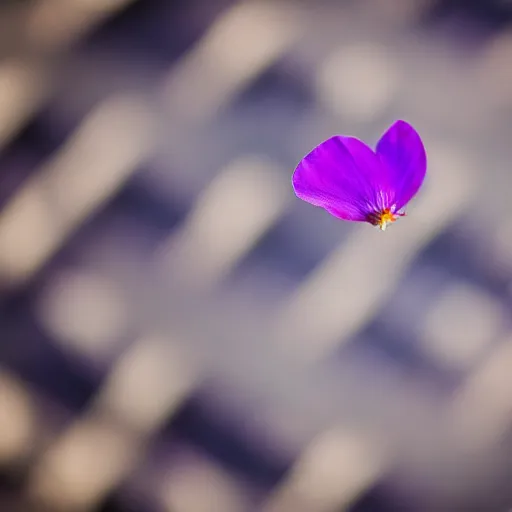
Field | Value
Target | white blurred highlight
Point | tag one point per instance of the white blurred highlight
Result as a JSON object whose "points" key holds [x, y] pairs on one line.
{"points": [[196, 484], [53, 25], [234, 211], [92, 165], [493, 70], [393, 12], [83, 311], [358, 81], [460, 326], [22, 87], [83, 464], [17, 425], [148, 382], [482, 409], [330, 474], [244, 41]]}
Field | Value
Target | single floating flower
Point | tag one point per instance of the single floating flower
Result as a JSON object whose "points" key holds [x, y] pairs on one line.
{"points": [[352, 182]]}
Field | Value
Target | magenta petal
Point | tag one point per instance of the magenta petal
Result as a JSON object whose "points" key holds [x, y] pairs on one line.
{"points": [[401, 149], [344, 176]]}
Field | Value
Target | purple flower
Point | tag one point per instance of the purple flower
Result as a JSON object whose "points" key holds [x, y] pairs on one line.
{"points": [[352, 182]]}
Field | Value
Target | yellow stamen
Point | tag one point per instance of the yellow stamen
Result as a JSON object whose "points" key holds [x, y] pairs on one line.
{"points": [[383, 218], [386, 217]]}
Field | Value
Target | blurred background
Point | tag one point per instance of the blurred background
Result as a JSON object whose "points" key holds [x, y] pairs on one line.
{"points": [[178, 332]]}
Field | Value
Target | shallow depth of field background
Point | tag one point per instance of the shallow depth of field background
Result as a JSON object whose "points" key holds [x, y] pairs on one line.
{"points": [[178, 332]]}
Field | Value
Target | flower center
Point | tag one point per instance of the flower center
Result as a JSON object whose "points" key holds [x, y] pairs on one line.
{"points": [[383, 218]]}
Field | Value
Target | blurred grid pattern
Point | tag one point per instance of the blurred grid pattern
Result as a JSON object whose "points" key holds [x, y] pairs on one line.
{"points": [[178, 332]]}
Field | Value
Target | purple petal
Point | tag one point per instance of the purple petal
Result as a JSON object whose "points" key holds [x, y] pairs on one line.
{"points": [[401, 149], [344, 176]]}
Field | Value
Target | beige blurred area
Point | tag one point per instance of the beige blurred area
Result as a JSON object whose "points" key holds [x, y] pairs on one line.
{"points": [[178, 332]]}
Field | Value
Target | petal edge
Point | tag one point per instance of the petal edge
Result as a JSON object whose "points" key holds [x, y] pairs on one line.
{"points": [[341, 175], [404, 155]]}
